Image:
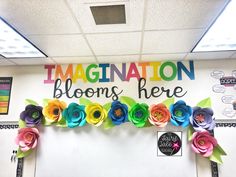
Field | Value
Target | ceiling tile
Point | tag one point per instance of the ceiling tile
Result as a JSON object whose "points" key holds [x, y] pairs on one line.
{"points": [[161, 57], [118, 59], [85, 59], [116, 43], [209, 55], [180, 41], [61, 45], [39, 16], [5, 62], [179, 14], [134, 15], [32, 61]]}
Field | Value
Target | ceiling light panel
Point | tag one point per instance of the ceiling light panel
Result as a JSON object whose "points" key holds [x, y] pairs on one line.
{"points": [[14, 45], [221, 36]]}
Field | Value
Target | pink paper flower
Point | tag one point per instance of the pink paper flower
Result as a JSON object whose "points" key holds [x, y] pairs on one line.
{"points": [[27, 138], [203, 143]]}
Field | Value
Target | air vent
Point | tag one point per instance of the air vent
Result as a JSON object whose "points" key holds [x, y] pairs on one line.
{"points": [[112, 14]]}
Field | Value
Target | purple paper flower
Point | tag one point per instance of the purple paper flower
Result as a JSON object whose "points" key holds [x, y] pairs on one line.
{"points": [[32, 115], [202, 119]]}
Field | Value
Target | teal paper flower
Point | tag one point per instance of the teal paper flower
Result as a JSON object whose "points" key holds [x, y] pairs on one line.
{"points": [[74, 115]]}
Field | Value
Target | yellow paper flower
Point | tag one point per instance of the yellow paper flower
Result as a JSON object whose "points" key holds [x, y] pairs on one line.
{"points": [[53, 110], [96, 114]]}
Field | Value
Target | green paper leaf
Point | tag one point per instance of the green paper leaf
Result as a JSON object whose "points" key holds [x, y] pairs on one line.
{"points": [[215, 157], [21, 123], [169, 102], [220, 150], [45, 101], [190, 133], [29, 101], [46, 123], [206, 103], [107, 124], [61, 123], [127, 100], [107, 106], [148, 124], [84, 101], [21, 154]]}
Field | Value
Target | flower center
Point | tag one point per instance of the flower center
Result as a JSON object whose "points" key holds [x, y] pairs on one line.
{"points": [[28, 137], [97, 114], [158, 115], [178, 113], [35, 115], [118, 112], [75, 114], [56, 111], [139, 114], [201, 142], [200, 118]]}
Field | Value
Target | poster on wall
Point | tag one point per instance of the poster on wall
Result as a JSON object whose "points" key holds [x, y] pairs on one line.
{"points": [[5, 93]]}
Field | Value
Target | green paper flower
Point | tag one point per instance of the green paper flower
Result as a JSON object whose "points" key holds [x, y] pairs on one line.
{"points": [[139, 114]]}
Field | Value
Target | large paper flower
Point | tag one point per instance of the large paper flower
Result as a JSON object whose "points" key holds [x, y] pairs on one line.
{"points": [[74, 115], [27, 138], [180, 113], [32, 115], [96, 114], [159, 116], [118, 113], [53, 110], [203, 143], [202, 119], [139, 114]]}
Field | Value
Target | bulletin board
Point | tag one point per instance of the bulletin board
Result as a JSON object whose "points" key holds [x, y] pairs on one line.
{"points": [[123, 150], [5, 93]]}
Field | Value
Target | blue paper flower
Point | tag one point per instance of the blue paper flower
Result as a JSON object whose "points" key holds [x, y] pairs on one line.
{"points": [[180, 113], [202, 119], [118, 113], [74, 115]]}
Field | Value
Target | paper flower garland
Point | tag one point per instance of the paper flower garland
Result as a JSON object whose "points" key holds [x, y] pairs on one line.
{"points": [[55, 112]]}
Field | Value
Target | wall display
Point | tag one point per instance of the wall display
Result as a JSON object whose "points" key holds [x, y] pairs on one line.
{"points": [[5, 93], [106, 105]]}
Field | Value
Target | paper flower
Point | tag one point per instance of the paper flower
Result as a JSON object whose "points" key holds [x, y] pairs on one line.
{"points": [[139, 114], [53, 110], [202, 119], [74, 115], [27, 138], [32, 115], [96, 114], [180, 113], [118, 113], [203, 143], [159, 115]]}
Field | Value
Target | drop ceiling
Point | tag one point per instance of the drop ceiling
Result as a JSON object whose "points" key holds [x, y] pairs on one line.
{"points": [[65, 30]]}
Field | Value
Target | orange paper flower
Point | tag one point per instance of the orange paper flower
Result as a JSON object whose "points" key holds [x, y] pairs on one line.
{"points": [[159, 115], [53, 110]]}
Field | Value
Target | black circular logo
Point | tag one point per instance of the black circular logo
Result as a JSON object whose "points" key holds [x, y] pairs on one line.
{"points": [[169, 143]]}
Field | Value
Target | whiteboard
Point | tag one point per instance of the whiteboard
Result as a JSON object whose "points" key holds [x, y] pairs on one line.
{"points": [[120, 152], [226, 138]]}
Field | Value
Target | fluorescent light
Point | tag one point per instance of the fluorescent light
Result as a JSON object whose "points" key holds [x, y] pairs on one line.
{"points": [[14, 45], [222, 34]]}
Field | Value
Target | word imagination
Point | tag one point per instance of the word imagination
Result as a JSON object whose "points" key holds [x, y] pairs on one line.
{"points": [[67, 79]]}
